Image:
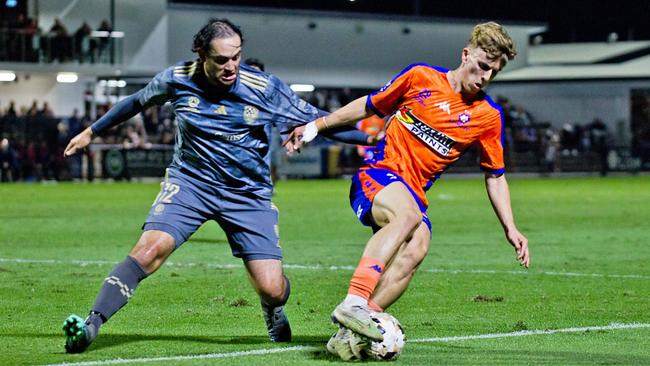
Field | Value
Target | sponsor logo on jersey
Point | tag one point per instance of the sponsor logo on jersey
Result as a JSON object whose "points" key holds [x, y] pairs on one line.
{"points": [[444, 106], [436, 140], [250, 113], [423, 96], [229, 137]]}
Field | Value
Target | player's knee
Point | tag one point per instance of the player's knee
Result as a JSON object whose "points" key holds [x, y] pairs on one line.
{"points": [[274, 291], [151, 251]]}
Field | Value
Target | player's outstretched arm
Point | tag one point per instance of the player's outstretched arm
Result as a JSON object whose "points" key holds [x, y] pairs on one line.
{"points": [[348, 114], [122, 111], [499, 194], [349, 135], [79, 142]]}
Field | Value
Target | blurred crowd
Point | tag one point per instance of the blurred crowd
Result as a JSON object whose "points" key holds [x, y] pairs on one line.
{"points": [[32, 138], [548, 144], [23, 40]]}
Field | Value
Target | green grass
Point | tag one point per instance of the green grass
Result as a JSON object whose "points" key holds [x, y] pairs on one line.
{"points": [[591, 226]]}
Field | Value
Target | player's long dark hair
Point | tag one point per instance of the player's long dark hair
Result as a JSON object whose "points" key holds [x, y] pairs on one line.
{"points": [[216, 28]]}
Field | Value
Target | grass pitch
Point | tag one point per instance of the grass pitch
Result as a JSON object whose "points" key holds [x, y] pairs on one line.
{"points": [[589, 242]]}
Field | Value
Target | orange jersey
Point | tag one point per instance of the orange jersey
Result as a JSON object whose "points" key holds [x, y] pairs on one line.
{"points": [[432, 125]]}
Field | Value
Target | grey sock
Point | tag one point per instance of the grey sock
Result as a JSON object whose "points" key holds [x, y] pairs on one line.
{"points": [[118, 288]]}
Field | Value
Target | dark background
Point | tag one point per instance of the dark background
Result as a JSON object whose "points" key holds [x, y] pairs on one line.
{"points": [[567, 20]]}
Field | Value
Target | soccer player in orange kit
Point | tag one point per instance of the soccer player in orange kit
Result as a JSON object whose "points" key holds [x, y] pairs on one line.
{"points": [[436, 114]]}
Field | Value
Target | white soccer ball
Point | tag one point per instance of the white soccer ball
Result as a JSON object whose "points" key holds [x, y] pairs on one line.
{"points": [[392, 345]]}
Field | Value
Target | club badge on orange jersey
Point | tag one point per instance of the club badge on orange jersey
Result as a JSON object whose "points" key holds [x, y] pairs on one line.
{"points": [[463, 120], [436, 140]]}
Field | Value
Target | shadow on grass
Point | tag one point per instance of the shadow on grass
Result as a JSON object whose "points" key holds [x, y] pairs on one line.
{"points": [[115, 340]]}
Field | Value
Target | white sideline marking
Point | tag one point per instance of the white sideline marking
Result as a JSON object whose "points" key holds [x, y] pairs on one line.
{"points": [[267, 351], [84, 263], [521, 333]]}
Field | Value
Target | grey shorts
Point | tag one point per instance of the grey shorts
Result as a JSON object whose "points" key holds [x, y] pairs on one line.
{"points": [[185, 203]]}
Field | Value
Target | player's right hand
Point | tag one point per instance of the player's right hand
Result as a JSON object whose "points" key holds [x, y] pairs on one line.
{"points": [[310, 133], [520, 243], [293, 141], [78, 142]]}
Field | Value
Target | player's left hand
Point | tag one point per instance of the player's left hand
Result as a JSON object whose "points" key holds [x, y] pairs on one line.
{"points": [[293, 142], [520, 243], [373, 140]]}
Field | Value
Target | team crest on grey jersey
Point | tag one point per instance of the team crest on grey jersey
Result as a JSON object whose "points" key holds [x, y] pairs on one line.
{"points": [[250, 113]]}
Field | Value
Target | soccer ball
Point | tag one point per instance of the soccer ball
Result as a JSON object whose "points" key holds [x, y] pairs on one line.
{"points": [[387, 350]]}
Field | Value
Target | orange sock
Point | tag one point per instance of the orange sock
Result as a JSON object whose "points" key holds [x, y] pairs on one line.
{"points": [[374, 307], [365, 277]]}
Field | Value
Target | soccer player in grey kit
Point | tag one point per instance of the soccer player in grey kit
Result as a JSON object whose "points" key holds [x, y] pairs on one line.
{"points": [[220, 171]]}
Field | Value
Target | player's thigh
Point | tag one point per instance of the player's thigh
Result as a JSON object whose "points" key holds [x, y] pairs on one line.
{"points": [[251, 226], [393, 201], [180, 208]]}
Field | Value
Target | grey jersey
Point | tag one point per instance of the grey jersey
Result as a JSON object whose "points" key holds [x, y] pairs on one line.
{"points": [[224, 136]]}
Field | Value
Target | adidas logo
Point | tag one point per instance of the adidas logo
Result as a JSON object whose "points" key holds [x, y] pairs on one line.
{"points": [[221, 110]]}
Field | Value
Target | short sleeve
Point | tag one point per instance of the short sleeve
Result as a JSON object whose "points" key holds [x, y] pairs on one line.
{"points": [[289, 109], [387, 99], [490, 145]]}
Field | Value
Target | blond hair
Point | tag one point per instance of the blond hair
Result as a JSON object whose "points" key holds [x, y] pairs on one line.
{"points": [[494, 40]]}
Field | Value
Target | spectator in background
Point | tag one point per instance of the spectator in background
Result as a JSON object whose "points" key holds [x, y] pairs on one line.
{"points": [[9, 166], [599, 140], [166, 131], [103, 42], [83, 47], [256, 63], [31, 30], [151, 121], [74, 123], [46, 111], [373, 126], [135, 136], [59, 41], [33, 110], [551, 149], [11, 110]]}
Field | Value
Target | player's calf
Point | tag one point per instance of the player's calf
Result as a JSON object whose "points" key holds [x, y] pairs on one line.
{"points": [[276, 319]]}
